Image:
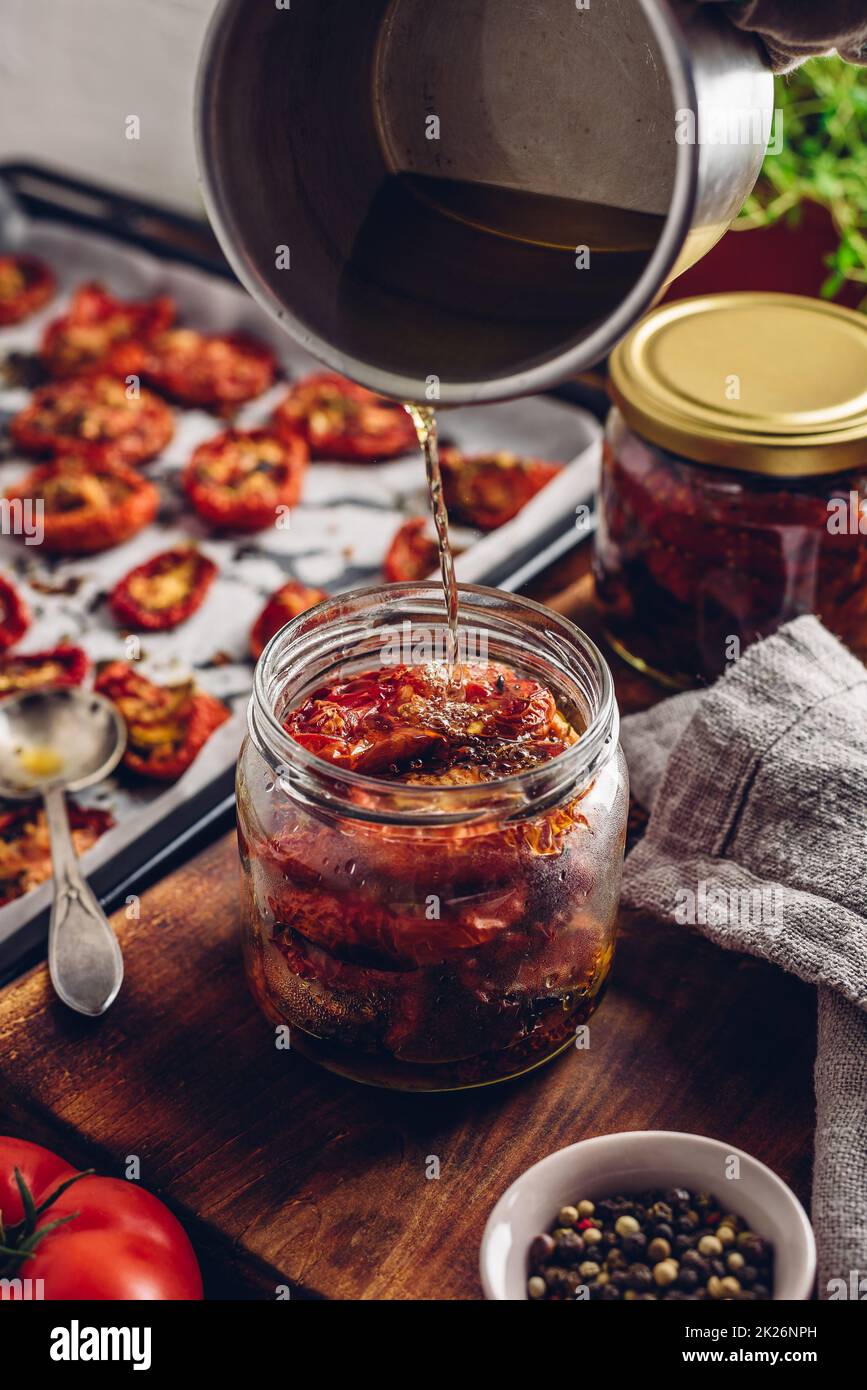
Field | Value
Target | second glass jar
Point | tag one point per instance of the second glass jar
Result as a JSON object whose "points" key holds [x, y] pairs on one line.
{"points": [[734, 483]]}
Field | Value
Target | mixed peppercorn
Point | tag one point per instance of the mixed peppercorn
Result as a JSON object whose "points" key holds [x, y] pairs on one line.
{"points": [[651, 1246]]}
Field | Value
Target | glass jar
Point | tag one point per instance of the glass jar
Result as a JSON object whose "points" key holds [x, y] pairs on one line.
{"points": [[734, 482], [430, 937]]}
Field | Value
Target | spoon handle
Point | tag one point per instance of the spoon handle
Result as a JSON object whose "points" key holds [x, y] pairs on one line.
{"points": [[84, 958]]}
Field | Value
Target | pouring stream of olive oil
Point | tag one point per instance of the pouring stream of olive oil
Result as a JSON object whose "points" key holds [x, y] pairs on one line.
{"points": [[425, 421], [490, 262]]}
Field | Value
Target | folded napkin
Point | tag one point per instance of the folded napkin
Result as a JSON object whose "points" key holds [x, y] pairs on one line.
{"points": [[757, 791]]}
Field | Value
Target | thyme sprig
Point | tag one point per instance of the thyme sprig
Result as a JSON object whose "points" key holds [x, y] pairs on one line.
{"points": [[823, 160]]}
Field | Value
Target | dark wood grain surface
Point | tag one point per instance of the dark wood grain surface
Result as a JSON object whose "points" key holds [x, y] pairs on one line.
{"points": [[286, 1175]]}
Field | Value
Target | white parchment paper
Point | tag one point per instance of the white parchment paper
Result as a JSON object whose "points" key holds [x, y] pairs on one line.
{"points": [[337, 540]]}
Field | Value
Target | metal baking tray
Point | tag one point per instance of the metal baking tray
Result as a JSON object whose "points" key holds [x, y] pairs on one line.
{"points": [[344, 526]]}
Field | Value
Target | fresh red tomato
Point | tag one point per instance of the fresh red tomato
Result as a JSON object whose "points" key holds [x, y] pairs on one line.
{"points": [[91, 1238], [340, 420]]}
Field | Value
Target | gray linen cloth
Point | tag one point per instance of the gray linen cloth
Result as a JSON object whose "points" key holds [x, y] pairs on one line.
{"points": [[757, 790]]}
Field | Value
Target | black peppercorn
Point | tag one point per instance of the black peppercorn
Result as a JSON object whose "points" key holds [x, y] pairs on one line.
{"points": [[693, 1260], [570, 1247], [542, 1249], [648, 1247], [634, 1245]]}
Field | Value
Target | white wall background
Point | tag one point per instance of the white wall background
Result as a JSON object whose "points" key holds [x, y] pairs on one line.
{"points": [[71, 71]]}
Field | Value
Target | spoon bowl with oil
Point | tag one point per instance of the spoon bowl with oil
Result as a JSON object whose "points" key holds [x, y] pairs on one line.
{"points": [[52, 741]]}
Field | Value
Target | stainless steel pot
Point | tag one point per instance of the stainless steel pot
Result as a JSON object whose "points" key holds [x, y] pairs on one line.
{"points": [[306, 114]]}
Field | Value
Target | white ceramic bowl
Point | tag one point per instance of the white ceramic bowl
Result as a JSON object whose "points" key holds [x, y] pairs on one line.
{"points": [[632, 1162]]}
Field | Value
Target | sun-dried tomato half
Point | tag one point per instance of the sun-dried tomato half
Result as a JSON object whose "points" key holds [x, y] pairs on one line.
{"points": [[34, 670], [488, 490], [239, 480], [360, 922], [14, 615], [340, 420], [98, 416], [413, 554], [164, 591], [95, 325], [87, 506], [167, 725], [216, 371], [25, 847], [404, 723], [26, 285], [289, 602]]}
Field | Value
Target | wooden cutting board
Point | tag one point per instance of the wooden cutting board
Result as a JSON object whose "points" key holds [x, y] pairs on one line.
{"points": [[287, 1176]]}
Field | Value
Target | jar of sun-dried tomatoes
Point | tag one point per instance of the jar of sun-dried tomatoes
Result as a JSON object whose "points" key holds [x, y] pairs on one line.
{"points": [[431, 866], [734, 491]]}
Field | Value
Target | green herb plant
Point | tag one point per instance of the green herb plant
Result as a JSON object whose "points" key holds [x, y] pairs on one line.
{"points": [[823, 160]]}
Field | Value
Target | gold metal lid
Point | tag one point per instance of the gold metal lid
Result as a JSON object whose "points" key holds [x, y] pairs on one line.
{"points": [[770, 383]]}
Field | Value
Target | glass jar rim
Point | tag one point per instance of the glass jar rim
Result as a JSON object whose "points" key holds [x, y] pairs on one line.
{"points": [[323, 636]]}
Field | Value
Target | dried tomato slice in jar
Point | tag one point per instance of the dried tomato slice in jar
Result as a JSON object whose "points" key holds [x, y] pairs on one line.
{"points": [[216, 371], [413, 554], [95, 325], [97, 416], [239, 480], [488, 490], [404, 724], [289, 602], [167, 725], [164, 591], [14, 615], [87, 506], [340, 420], [26, 286], [34, 670], [25, 848]]}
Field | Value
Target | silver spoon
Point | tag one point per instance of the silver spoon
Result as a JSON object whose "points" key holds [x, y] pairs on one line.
{"points": [[54, 741]]}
